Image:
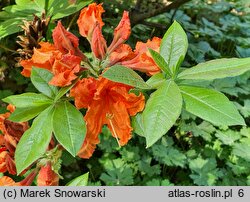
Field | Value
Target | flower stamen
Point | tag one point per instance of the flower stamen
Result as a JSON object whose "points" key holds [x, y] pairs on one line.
{"points": [[110, 117]]}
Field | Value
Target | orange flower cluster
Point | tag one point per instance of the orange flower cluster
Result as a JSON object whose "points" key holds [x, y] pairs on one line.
{"points": [[117, 52], [108, 103], [11, 134], [62, 58]]}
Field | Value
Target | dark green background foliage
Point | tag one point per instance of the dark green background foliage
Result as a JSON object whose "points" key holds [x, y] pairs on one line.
{"points": [[193, 152]]}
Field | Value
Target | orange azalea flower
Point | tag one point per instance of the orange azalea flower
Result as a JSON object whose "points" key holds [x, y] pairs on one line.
{"points": [[62, 59], [42, 57], [7, 181], [47, 177], [11, 134], [98, 43], [108, 103], [88, 18], [143, 60], [64, 69], [122, 53], [121, 33], [65, 41]]}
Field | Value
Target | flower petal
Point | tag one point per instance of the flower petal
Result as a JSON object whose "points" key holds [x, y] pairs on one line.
{"points": [[122, 53], [121, 32], [143, 60], [83, 92], [7, 181], [42, 58], [47, 177], [98, 43], [88, 18], [65, 41], [3, 154], [64, 69], [94, 119], [119, 122]]}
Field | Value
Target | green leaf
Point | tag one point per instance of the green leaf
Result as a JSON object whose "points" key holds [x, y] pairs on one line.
{"points": [[137, 124], [174, 46], [228, 137], [168, 155], [28, 100], [145, 166], [34, 141], [59, 9], [117, 173], [40, 79], [204, 171], [125, 75], [160, 61], [161, 111], [242, 150], [25, 114], [156, 80], [79, 181], [69, 127], [211, 105], [245, 110], [215, 69]]}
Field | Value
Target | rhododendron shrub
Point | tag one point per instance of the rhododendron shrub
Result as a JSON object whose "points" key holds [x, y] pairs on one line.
{"points": [[78, 95]]}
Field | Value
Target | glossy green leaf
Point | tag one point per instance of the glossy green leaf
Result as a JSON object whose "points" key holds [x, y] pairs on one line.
{"points": [[28, 100], [81, 180], [25, 114], [216, 69], [211, 105], [174, 46], [160, 61], [161, 111], [69, 127], [40, 79], [156, 80], [125, 75], [34, 141]]}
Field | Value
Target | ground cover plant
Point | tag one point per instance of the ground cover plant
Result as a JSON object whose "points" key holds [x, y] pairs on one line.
{"points": [[160, 97]]}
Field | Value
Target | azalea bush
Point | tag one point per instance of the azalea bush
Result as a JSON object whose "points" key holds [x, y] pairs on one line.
{"points": [[137, 105]]}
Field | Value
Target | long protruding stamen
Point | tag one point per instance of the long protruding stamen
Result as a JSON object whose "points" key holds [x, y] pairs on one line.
{"points": [[110, 117]]}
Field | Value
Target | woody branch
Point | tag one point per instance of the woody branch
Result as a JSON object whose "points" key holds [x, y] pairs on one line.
{"points": [[139, 18]]}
